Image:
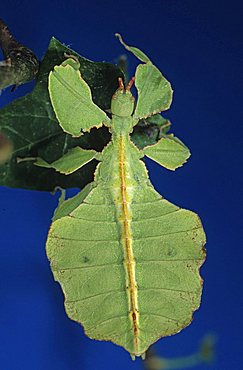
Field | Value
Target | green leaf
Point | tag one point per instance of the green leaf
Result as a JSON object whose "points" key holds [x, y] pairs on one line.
{"points": [[71, 161], [31, 126], [154, 91], [161, 122], [169, 152], [148, 131], [72, 101]]}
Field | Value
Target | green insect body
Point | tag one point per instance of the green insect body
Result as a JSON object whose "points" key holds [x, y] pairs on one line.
{"points": [[127, 259]]}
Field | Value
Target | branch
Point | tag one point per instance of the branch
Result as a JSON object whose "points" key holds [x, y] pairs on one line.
{"points": [[20, 64]]}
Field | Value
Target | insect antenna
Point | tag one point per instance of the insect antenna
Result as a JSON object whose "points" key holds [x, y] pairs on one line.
{"points": [[130, 83], [121, 84]]}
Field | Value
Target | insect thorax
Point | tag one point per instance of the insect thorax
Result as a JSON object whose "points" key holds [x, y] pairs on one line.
{"points": [[121, 125]]}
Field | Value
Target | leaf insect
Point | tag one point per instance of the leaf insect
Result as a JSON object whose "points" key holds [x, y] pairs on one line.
{"points": [[127, 259]]}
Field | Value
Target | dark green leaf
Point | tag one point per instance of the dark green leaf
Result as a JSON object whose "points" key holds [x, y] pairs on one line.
{"points": [[31, 125], [150, 130]]}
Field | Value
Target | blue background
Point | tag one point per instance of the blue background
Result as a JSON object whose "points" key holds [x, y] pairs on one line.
{"points": [[199, 47]]}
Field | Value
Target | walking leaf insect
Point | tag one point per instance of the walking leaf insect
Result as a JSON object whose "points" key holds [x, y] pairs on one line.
{"points": [[127, 259]]}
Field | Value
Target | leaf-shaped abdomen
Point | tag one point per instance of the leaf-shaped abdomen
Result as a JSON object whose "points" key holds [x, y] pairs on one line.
{"points": [[87, 254]]}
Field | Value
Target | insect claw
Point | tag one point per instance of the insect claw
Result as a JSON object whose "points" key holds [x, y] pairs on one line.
{"points": [[133, 357], [143, 356]]}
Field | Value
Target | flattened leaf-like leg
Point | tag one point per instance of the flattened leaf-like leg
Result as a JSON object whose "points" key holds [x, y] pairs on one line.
{"points": [[71, 161], [154, 91], [72, 100], [67, 206], [169, 152]]}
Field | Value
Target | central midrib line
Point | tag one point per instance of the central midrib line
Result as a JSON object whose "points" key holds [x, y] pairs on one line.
{"points": [[129, 260]]}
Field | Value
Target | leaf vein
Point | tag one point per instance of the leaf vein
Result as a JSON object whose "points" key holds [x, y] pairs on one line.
{"points": [[161, 236], [95, 295]]}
